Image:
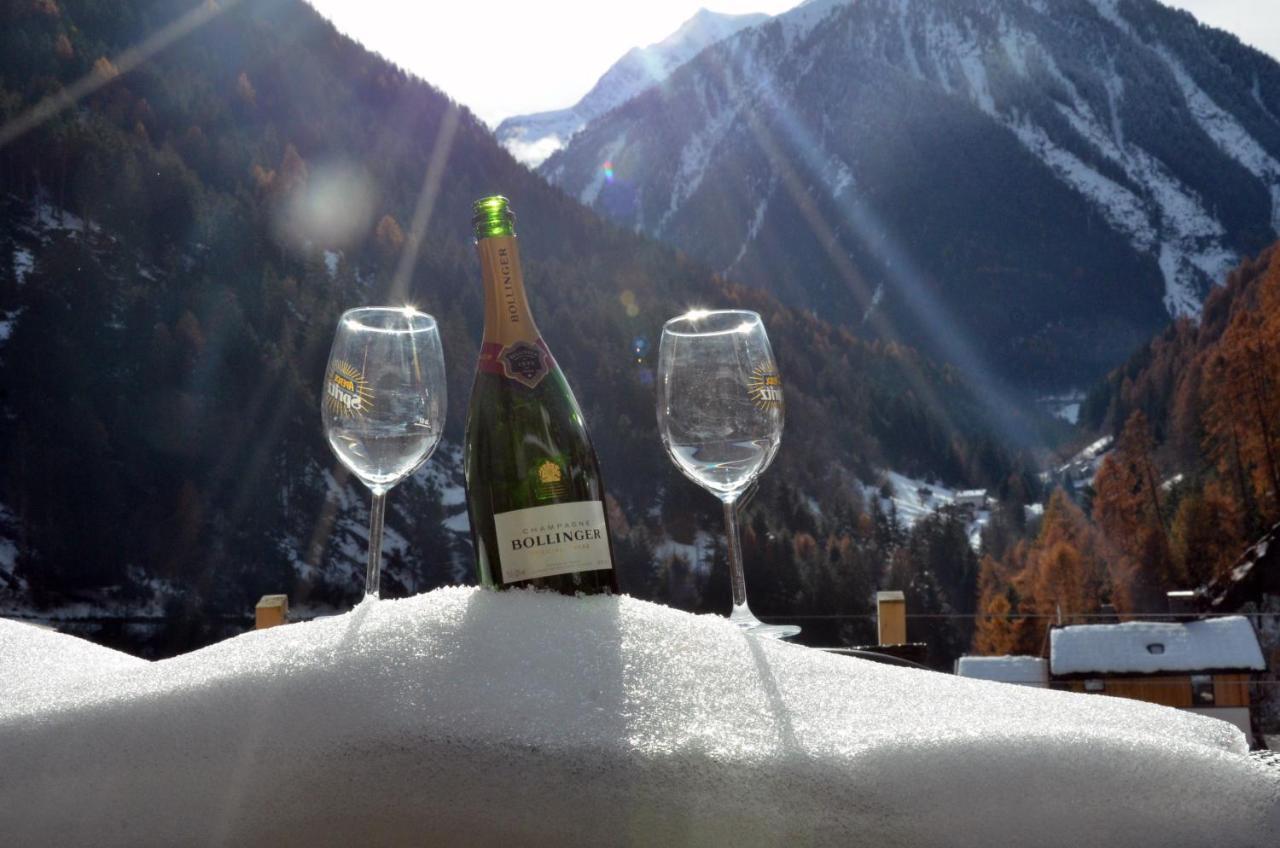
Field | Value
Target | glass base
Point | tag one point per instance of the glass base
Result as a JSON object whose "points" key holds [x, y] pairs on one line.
{"points": [[745, 620]]}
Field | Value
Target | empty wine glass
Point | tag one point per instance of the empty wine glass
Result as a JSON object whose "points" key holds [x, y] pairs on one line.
{"points": [[383, 403], [720, 415]]}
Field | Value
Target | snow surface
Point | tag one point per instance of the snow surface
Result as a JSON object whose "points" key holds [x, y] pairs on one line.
{"points": [[1069, 412], [1028, 671], [8, 320], [753, 229], [1065, 406], [23, 262], [479, 718], [1215, 643], [1227, 133]]}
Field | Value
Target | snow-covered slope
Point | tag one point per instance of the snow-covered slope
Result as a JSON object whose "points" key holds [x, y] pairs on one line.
{"points": [[532, 138], [1024, 185], [467, 717]]}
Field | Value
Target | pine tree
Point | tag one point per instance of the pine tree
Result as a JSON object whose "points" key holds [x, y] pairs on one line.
{"points": [[1128, 511]]}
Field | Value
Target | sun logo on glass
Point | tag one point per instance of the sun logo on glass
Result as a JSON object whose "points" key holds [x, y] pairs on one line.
{"points": [[765, 387], [347, 393]]}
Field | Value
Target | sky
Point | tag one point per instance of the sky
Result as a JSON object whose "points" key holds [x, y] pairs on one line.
{"points": [[511, 57]]}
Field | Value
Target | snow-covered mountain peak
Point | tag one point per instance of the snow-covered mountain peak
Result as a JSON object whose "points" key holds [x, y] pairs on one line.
{"points": [[532, 138]]}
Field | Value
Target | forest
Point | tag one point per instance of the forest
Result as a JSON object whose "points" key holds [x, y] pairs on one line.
{"points": [[1192, 481]]}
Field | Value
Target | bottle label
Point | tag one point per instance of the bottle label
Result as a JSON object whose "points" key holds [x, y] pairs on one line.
{"points": [[544, 541], [512, 346], [526, 363]]}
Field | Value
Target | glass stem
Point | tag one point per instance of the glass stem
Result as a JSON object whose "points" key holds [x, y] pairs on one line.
{"points": [[736, 579], [376, 512]]}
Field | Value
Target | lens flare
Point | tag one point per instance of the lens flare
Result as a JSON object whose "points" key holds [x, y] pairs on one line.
{"points": [[628, 301], [330, 208]]}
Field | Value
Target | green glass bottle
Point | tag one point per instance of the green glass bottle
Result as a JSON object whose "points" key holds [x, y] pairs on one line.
{"points": [[534, 494]]}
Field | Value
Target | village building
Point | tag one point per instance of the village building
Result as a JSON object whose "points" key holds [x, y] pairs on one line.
{"points": [[1023, 671], [971, 500], [1201, 666]]}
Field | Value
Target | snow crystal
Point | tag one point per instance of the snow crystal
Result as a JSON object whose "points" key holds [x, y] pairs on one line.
{"points": [[482, 718], [1028, 671], [1147, 647]]}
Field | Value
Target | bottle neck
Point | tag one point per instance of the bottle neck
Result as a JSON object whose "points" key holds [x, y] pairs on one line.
{"points": [[507, 318]]}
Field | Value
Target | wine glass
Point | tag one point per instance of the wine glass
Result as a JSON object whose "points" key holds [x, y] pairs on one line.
{"points": [[720, 415], [383, 403]]}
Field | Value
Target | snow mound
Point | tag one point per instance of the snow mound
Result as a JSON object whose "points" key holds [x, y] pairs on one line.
{"points": [[478, 718]]}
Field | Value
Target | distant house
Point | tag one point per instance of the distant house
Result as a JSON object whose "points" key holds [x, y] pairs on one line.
{"points": [[1024, 671], [971, 500], [1201, 666]]}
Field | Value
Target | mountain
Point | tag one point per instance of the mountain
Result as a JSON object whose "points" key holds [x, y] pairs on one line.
{"points": [[532, 138], [1025, 189], [175, 251]]}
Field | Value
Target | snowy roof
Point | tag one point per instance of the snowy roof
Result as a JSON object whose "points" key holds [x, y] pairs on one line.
{"points": [[1032, 671], [484, 718], [1150, 647]]}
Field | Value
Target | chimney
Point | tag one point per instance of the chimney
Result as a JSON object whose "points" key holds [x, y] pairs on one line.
{"points": [[891, 617], [271, 611]]}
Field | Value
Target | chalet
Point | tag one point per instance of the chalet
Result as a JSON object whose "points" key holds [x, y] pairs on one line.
{"points": [[1202, 666], [1024, 671], [971, 500]]}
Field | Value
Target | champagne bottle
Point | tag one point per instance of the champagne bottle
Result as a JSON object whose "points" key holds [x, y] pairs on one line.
{"points": [[534, 494]]}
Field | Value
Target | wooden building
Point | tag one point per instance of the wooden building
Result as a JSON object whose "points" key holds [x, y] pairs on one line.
{"points": [[1202, 666], [1022, 670]]}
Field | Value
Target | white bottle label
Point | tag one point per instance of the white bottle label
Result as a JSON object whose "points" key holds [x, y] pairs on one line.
{"points": [[543, 541]]}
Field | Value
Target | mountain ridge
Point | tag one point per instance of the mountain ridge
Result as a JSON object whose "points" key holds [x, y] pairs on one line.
{"points": [[532, 138], [946, 155]]}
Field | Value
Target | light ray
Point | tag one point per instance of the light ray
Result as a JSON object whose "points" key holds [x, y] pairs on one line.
{"points": [[399, 292], [882, 244], [116, 67]]}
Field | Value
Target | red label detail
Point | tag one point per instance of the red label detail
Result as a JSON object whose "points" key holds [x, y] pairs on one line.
{"points": [[522, 362]]}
